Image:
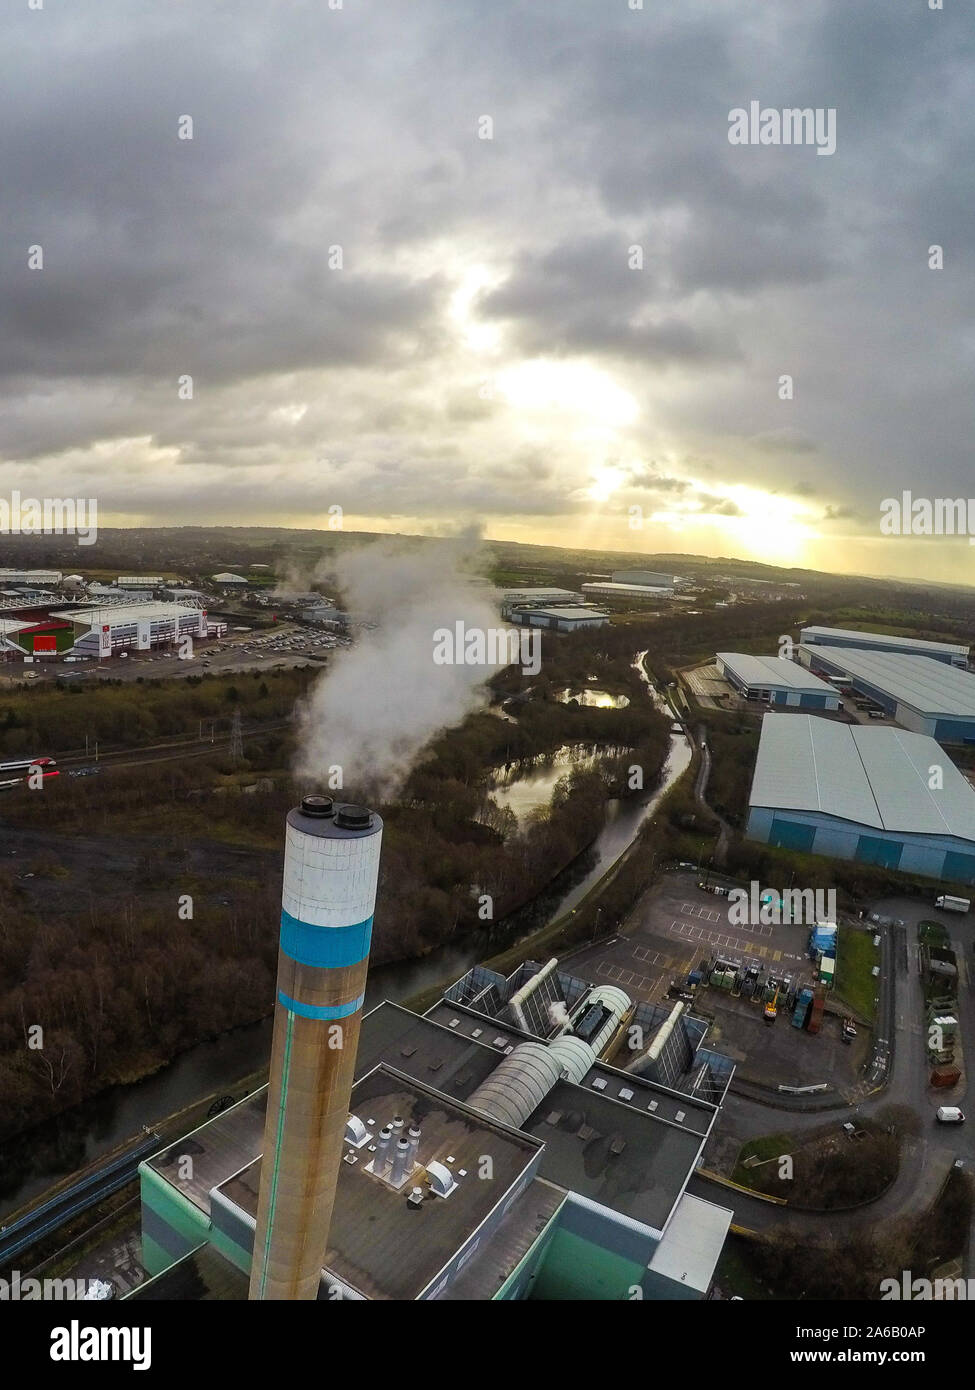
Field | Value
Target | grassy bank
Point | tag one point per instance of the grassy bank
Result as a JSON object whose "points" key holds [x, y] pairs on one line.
{"points": [[855, 960]]}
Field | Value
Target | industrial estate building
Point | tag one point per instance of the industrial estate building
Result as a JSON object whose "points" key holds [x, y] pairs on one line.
{"points": [[10, 578], [633, 593], [927, 696], [856, 792], [776, 681], [537, 598], [559, 619], [949, 652], [530, 1136], [646, 578]]}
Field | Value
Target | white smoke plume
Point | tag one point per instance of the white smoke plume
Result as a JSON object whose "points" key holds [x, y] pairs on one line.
{"points": [[558, 1013], [384, 698], [299, 576]]}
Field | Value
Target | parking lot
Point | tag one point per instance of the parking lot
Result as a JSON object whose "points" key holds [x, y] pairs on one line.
{"points": [[286, 646], [673, 928]]}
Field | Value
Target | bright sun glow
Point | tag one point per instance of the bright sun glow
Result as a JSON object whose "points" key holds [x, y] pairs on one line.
{"points": [[762, 525], [475, 335], [574, 388], [606, 480]]}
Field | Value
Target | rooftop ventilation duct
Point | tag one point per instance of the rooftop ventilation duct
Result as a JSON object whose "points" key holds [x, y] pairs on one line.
{"points": [[356, 1133], [401, 1159], [441, 1179]]}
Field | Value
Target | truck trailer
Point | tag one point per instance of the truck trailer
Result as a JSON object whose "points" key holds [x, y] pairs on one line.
{"points": [[951, 904]]}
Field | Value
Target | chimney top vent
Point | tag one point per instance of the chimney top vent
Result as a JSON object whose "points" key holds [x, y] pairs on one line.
{"points": [[317, 806]]}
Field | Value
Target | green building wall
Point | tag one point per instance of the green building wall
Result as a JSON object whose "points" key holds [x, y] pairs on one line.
{"points": [[593, 1254], [171, 1225]]}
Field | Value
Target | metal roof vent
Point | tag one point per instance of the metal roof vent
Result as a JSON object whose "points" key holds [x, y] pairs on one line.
{"points": [[441, 1179], [356, 1133], [415, 1198]]}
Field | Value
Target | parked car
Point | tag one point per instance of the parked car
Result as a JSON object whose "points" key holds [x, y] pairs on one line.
{"points": [[950, 1115]]}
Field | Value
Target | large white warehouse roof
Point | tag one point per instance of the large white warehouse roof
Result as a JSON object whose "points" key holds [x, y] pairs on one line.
{"points": [[773, 671], [871, 639], [928, 686], [611, 588], [873, 776]]}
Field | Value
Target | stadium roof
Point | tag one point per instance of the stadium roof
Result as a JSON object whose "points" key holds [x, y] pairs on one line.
{"points": [[773, 671], [123, 613], [928, 686], [872, 776], [881, 639]]}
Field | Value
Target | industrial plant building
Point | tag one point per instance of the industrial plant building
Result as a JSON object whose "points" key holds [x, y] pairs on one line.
{"points": [[928, 697], [775, 681], [559, 619], [101, 632], [864, 793], [949, 652], [530, 1136]]}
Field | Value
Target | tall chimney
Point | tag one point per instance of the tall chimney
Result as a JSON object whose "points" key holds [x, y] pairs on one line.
{"points": [[331, 867]]}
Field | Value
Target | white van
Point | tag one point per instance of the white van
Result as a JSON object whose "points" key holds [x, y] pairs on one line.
{"points": [[950, 1115]]}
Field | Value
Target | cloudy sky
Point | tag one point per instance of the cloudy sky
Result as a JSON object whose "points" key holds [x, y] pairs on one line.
{"points": [[383, 311]]}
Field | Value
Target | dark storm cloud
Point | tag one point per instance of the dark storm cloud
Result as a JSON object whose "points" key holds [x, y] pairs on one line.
{"points": [[583, 297]]}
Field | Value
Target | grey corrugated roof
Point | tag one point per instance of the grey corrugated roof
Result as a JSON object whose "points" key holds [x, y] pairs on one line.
{"points": [[773, 671], [928, 686], [870, 638], [872, 776]]}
